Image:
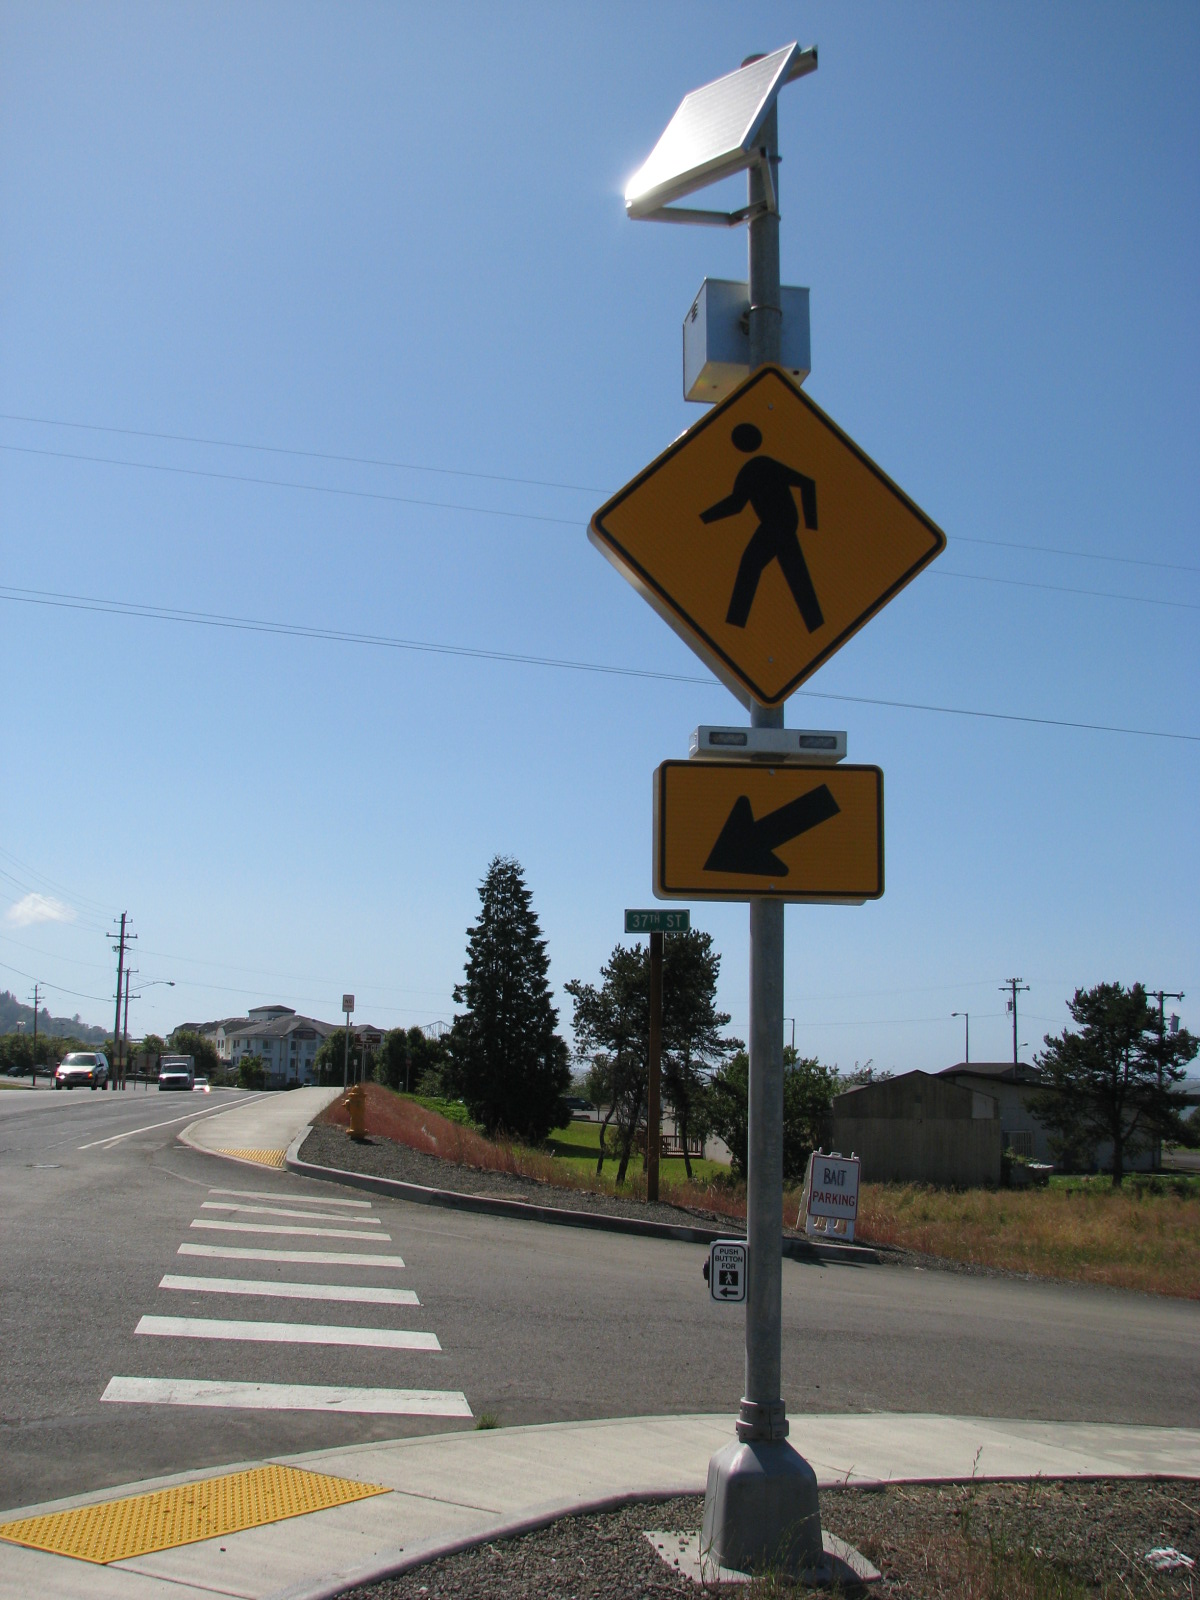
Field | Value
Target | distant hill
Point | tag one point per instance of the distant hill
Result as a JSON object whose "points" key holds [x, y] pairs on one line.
{"points": [[12, 1012]]}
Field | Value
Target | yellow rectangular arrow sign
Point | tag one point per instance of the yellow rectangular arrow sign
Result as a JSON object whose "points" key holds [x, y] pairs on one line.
{"points": [[728, 830]]}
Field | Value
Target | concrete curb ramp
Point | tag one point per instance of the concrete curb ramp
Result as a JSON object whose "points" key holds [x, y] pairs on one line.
{"points": [[454, 1490]]}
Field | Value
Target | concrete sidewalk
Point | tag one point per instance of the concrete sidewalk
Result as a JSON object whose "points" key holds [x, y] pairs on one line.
{"points": [[453, 1490], [259, 1129]]}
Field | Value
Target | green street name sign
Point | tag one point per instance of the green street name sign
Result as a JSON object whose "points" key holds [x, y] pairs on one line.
{"points": [[657, 921]]}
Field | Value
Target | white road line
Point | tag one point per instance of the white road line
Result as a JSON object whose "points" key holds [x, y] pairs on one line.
{"points": [[192, 1116], [306, 1258], [287, 1397], [281, 1227], [286, 1333], [292, 1199], [283, 1211], [291, 1291]]}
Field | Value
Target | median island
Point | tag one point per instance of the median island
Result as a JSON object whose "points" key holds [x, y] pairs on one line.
{"points": [[1144, 1235]]}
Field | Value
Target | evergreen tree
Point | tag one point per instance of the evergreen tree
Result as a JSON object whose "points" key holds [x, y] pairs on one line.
{"points": [[1115, 1078], [506, 1055]]}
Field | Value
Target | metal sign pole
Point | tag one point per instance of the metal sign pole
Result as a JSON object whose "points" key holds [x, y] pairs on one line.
{"points": [[762, 1409], [761, 1501]]}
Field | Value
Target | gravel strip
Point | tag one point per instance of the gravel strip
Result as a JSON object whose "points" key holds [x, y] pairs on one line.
{"points": [[329, 1146], [1043, 1540]]}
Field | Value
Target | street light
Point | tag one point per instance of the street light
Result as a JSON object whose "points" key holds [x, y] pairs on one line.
{"points": [[967, 1047], [149, 984]]}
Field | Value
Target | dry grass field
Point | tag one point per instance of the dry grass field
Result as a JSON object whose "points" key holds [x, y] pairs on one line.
{"points": [[1137, 1237], [1128, 1238]]}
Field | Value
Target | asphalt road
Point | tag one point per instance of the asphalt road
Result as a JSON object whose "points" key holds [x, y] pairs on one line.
{"points": [[534, 1323]]}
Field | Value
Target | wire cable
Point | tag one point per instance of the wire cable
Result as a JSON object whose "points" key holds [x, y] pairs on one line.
{"points": [[50, 598], [526, 516]]}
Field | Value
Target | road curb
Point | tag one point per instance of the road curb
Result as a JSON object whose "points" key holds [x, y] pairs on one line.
{"points": [[560, 1216]]}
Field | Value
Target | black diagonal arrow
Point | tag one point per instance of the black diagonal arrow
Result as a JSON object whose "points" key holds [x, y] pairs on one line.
{"points": [[745, 845]]}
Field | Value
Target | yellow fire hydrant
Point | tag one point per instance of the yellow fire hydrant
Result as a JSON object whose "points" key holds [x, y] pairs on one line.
{"points": [[356, 1104]]}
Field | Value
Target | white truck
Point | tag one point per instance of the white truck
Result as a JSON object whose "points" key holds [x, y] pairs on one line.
{"points": [[176, 1072]]}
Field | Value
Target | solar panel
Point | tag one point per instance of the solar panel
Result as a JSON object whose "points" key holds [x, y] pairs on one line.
{"points": [[714, 131]]}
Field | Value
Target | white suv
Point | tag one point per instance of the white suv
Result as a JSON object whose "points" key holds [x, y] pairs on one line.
{"points": [[82, 1069]]}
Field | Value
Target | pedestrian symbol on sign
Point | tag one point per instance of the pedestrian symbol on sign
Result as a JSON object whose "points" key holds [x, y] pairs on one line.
{"points": [[725, 1270], [766, 486]]}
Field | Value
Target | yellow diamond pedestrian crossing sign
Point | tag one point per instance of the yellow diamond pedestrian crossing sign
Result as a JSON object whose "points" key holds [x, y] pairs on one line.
{"points": [[765, 537]]}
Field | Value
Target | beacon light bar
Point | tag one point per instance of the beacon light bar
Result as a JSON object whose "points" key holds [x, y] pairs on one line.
{"points": [[813, 746]]}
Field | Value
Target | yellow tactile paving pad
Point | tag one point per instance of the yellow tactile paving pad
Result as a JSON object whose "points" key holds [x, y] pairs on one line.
{"points": [[265, 1158], [114, 1530]]}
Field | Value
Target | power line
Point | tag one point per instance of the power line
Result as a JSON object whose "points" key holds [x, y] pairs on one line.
{"points": [[1058, 588], [285, 483], [121, 608], [537, 516], [310, 455], [488, 477], [74, 895], [57, 987]]}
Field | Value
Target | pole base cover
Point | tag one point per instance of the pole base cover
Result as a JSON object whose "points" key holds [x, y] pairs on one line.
{"points": [[761, 1509]]}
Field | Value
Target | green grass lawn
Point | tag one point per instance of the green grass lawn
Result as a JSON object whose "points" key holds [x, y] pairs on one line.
{"points": [[578, 1145], [1180, 1183]]}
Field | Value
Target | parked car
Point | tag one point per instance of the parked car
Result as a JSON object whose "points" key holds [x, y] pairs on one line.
{"points": [[201, 1083], [82, 1068]]}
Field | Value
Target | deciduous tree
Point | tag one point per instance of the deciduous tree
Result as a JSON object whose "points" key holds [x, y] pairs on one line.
{"points": [[205, 1060], [612, 1031], [808, 1090], [408, 1055], [693, 1043]]}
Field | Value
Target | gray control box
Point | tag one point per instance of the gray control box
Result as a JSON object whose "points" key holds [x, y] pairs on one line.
{"points": [[716, 338]]}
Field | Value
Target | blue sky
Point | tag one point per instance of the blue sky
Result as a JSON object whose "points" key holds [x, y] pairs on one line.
{"points": [[396, 234]]}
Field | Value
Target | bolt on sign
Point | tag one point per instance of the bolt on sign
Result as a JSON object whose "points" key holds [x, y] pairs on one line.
{"points": [[733, 831], [765, 537]]}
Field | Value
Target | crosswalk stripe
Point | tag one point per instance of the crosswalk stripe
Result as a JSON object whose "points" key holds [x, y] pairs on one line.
{"points": [[292, 1199], [291, 1291], [286, 1333], [304, 1258], [283, 1211], [287, 1397], [280, 1227]]}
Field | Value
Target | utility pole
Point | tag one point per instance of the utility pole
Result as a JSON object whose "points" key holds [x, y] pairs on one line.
{"points": [[1161, 995], [33, 1071], [654, 1076], [123, 939], [125, 1028], [1016, 986]]}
